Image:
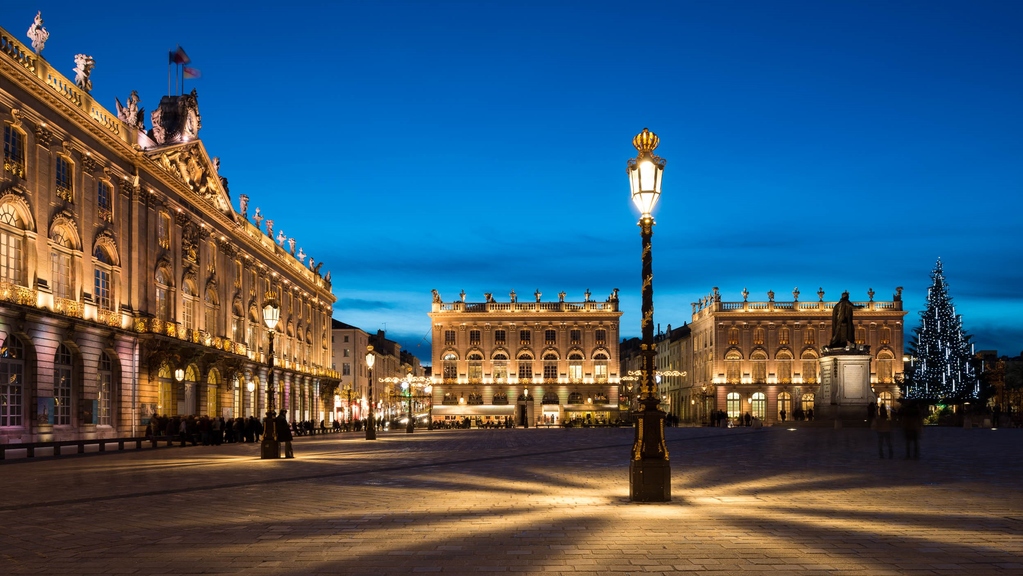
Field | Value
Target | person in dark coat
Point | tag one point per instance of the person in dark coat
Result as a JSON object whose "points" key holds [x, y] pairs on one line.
{"points": [[284, 434]]}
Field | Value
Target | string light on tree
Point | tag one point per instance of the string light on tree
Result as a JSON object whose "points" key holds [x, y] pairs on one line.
{"points": [[941, 349]]}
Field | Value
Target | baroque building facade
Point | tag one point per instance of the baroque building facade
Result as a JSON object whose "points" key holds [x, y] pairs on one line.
{"points": [[529, 363], [129, 285], [763, 357]]}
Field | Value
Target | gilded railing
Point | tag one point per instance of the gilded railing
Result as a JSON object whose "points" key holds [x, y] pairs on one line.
{"points": [[18, 52], [67, 307], [17, 294]]}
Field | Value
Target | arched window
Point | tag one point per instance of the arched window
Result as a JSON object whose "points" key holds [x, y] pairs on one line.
{"points": [[758, 405], [550, 366], [575, 367], [12, 246], [809, 366], [189, 297], [885, 374], [62, 385], [733, 404], [103, 272], [783, 366], [806, 402], [162, 294], [733, 367], [550, 398], [475, 367], [450, 366], [500, 399], [165, 393], [525, 360], [600, 367], [61, 268], [12, 378], [783, 336], [784, 404], [500, 365], [759, 360], [758, 336], [104, 387], [237, 320], [575, 398], [212, 393]]}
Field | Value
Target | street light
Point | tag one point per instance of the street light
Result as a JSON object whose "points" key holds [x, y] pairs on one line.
{"points": [[649, 469], [270, 447], [371, 431], [410, 426]]}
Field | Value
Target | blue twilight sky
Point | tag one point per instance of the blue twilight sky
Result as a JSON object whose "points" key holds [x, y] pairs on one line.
{"points": [[481, 145]]}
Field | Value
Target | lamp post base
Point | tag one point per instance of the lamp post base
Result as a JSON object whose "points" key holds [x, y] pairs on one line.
{"points": [[371, 433], [270, 449], [650, 481], [649, 470]]}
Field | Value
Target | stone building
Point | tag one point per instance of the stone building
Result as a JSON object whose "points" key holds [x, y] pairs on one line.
{"points": [[129, 285], [531, 362], [763, 357]]}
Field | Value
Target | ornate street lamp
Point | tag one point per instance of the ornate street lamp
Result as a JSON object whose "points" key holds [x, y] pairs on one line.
{"points": [[270, 447], [371, 431], [649, 469], [410, 426]]}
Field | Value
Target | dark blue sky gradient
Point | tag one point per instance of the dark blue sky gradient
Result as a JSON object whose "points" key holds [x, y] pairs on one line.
{"points": [[481, 145]]}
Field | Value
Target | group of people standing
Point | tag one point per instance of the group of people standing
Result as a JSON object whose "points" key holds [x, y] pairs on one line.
{"points": [[911, 418], [214, 431]]}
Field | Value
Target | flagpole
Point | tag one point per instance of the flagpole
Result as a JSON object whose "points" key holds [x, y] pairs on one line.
{"points": [[170, 58]]}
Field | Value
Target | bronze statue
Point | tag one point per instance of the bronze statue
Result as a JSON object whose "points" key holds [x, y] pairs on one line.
{"points": [[842, 329]]}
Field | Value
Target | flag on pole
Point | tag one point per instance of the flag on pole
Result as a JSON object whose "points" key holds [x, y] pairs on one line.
{"points": [[179, 57], [191, 73]]}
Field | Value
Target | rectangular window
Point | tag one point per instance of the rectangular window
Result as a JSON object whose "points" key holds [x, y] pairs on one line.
{"points": [[474, 337], [210, 319], [524, 337], [550, 337], [600, 335], [525, 369], [347, 352], [346, 369], [499, 337], [63, 279], [346, 338], [237, 328], [11, 257], [163, 227], [188, 313], [64, 179], [576, 336], [104, 202], [14, 151], [237, 274], [103, 399], [10, 391], [449, 337], [101, 289]]}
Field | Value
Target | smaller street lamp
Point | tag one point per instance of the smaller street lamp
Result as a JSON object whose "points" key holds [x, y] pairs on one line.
{"points": [[270, 447], [371, 431]]}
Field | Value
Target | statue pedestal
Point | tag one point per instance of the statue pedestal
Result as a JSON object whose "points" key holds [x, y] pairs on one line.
{"points": [[845, 386]]}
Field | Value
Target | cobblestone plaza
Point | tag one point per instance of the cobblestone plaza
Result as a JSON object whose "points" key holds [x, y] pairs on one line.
{"points": [[534, 501]]}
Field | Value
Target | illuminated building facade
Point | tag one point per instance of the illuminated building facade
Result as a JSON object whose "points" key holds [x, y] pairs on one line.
{"points": [[526, 362], [764, 357], [129, 285]]}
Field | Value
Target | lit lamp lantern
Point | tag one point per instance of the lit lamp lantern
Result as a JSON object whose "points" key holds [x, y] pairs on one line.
{"points": [[270, 447], [371, 431]]}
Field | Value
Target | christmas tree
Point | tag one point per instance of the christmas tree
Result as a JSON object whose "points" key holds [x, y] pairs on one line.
{"points": [[941, 350]]}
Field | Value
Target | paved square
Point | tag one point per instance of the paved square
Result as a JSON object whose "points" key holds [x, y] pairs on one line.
{"points": [[770, 501]]}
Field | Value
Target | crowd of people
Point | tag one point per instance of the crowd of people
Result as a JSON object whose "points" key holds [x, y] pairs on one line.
{"points": [[217, 430]]}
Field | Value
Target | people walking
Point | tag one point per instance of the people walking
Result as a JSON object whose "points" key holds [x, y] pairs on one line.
{"points": [[884, 431], [912, 426]]}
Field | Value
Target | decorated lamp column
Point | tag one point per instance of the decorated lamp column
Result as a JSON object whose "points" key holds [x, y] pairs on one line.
{"points": [[371, 431], [649, 469], [270, 447]]}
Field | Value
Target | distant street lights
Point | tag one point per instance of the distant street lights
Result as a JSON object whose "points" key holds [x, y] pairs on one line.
{"points": [[649, 469], [371, 431], [270, 447]]}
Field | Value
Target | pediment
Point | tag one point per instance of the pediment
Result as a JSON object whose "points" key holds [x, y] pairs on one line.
{"points": [[189, 163]]}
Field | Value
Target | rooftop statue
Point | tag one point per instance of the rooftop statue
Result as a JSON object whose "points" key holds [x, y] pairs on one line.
{"points": [[38, 34], [83, 68], [131, 114]]}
